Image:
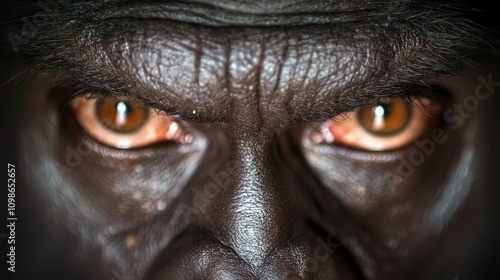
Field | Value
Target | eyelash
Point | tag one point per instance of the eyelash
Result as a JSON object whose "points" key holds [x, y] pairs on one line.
{"points": [[405, 96], [411, 92], [98, 93]]}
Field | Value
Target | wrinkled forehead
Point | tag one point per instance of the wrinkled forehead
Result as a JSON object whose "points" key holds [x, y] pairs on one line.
{"points": [[269, 13], [268, 6], [280, 6], [330, 55]]}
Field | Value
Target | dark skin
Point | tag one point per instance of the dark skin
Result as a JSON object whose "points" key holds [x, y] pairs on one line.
{"points": [[252, 196]]}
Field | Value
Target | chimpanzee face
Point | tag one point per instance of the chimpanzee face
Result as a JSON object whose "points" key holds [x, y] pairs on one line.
{"points": [[255, 139]]}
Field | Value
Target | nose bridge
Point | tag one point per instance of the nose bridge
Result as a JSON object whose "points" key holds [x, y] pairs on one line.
{"points": [[258, 209], [250, 201], [255, 227]]}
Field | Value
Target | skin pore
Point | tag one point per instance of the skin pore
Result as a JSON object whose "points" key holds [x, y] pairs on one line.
{"points": [[250, 184]]}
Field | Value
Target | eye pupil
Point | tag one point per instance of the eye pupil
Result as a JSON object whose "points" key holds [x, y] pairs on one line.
{"points": [[119, 115], [382, 110]]}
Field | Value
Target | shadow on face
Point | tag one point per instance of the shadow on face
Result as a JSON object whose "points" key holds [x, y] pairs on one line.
{"points": [[250, 140]]}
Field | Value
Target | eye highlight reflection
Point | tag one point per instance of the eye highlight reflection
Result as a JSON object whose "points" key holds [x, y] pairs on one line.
{"points": [[121, 116], [125, 123], [388, 124]]}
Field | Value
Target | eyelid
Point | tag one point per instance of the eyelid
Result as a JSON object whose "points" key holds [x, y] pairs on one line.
{"points": [[348, 129], [155, 128], [434, 93], [95, 92]]}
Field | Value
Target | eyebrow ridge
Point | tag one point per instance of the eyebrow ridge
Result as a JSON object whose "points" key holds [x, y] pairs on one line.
{"points": [[451, 44]]}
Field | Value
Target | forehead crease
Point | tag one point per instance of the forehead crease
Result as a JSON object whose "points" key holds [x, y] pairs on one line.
{"points": [[288, 6], [189, 63], [250, 13], [275, 6], [209, 67]]}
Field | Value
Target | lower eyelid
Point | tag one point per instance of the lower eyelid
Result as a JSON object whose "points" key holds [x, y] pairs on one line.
{"points": [[157, 128], [348, 131]]}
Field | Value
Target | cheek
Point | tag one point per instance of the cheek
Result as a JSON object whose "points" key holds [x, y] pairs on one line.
{"points": [[131, 188], [402, 199], [93, 185], [369, 182]]}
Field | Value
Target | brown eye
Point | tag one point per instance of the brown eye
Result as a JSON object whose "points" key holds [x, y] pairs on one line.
{"points": [[121, 115], [386, 117], [125, 123], [387, 124]]}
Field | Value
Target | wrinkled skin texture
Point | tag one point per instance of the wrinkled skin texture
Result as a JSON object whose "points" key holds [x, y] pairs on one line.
{"points": [[252, 197]]}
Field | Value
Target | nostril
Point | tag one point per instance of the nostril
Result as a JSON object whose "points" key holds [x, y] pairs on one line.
{"points": [[306, 258], [196, 254], [311, 254]]}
